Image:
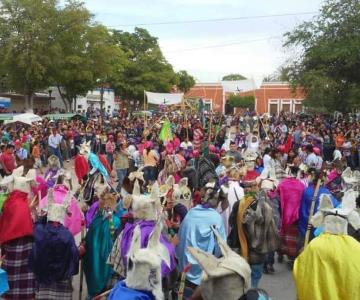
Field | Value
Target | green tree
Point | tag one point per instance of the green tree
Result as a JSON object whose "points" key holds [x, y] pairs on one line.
{"points": [[233, 77], [327, 64], [184, 81], [145, 67], [88, 57], [242, 101], [27, 44]]}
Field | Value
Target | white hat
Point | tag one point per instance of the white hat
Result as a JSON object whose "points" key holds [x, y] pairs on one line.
{"points": [[223, 278], [56, 212], [144, 264], [146, 207], [335, 220], [16, 181]]}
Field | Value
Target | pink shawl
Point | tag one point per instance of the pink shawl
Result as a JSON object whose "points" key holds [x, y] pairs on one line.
{"points": [[291, 191], [75, 218]]}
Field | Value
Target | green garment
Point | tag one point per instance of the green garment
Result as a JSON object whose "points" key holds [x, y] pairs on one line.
{"points": [[165, 132], [98, 243]]}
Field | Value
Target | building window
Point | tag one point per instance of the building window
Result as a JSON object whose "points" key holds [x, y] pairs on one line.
{"points": [[79, 106]]}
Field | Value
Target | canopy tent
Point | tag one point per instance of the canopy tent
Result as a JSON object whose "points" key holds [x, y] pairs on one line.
{"points": [[27, 118], [164, 98], [59, 116], [142, 113], [6, 117]]}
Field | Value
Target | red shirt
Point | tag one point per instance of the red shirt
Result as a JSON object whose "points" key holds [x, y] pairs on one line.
{"points": [[8, 161]]}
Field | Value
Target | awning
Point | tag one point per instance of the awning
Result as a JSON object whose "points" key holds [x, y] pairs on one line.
{"points": [[27, 118], [164, 98], [5, 117], [59, 116]]}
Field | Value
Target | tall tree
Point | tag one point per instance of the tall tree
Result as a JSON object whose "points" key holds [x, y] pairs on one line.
{"points": [[87, 57], [145, 68], [27, 44], [233, 77], [184, 81], [327, 65]]}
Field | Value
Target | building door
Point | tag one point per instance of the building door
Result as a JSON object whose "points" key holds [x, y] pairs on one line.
{"points": [[229, 110], [273, 108], [286, 107]]}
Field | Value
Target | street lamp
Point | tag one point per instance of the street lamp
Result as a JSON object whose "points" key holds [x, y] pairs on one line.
{"points": [[50, 92]]}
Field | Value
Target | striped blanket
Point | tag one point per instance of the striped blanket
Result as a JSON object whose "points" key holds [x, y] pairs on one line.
{"points": [[61, 290], [15, 263]]}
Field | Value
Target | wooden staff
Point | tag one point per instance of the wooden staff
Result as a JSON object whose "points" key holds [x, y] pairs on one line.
{"points": [[81, 264], [311, 213], [182, 281]]}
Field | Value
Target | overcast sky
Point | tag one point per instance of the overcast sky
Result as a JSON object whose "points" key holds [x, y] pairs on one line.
{"points": [[252, 46]]}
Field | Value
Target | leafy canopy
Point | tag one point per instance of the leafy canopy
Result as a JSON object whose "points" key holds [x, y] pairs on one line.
{"points": [[233, 77], [242, 101], [327, 64]]}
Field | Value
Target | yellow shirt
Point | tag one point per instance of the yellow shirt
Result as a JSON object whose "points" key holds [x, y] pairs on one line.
{"points": [[150, 159]]}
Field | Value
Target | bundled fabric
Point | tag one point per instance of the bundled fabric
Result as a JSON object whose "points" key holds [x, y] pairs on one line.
{"points": [[121, 291], [61, 290], [54, 256], [21, 279], [74, 219], [165, 134], [4, 284], [330, 254], [206, 171], [123, 243], [99, 242], [15, 220]]}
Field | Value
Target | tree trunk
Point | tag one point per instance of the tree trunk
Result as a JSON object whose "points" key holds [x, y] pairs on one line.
{"points": [[29, 100], [64, 99], [26, 101]]}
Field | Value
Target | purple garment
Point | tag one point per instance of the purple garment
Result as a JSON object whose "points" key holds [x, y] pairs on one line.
{"points": [[91, 213], [146, 228], [51, 175]]}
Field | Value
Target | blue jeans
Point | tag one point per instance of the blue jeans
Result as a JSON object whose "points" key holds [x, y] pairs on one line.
{"points": [[256, 273], [57, 152], [121, 174]]}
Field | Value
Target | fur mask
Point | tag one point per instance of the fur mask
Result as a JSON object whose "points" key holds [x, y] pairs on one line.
{"points": [[146, 207], [144, 265], [181, 194], [351, 179], [16, 181], [227, 277], [107, 201], [54, 162], [57, 212], [335, 220], [85, 149]]}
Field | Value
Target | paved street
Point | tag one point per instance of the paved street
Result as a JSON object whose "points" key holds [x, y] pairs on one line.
{"points": [[280, 285]]}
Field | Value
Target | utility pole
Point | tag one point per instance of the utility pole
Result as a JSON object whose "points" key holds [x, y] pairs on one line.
{"points": [[102, 101]]}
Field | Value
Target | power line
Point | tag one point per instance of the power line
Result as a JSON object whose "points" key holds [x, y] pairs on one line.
{"points": [[230, 43], [216, 20]]}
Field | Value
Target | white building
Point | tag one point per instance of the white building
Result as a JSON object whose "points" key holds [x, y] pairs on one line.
{"points": [[92, 99]]}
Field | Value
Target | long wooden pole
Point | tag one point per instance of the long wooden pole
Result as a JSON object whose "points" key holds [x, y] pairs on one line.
{"points": [[145, 119]]}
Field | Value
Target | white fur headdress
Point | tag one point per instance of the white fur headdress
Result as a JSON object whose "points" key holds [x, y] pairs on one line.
{"points": [[181, 193], [144, 265], [16, 181], [335, 220], [146, 207], [227, 277], [56, 212], [54, 162], [85, 148], [351, 178]]}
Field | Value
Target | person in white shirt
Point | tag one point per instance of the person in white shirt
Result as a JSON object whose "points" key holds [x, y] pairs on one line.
{"points": [[268, 161], [54, 141]]}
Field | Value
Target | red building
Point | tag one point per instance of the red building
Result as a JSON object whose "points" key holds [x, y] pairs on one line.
{"points": [[271, 97]]}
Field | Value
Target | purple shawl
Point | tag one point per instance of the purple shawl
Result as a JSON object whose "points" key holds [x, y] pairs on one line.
{"points": [[146, 228], [91, 213]]}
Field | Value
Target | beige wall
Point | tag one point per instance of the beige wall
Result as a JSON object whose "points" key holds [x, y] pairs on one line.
{"points": [[18, 105]]}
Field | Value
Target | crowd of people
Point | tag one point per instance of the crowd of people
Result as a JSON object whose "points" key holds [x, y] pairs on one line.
{"points": [[178, 206]]}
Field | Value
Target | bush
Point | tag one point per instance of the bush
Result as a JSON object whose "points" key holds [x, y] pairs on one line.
{"points": [[242, 101]]}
